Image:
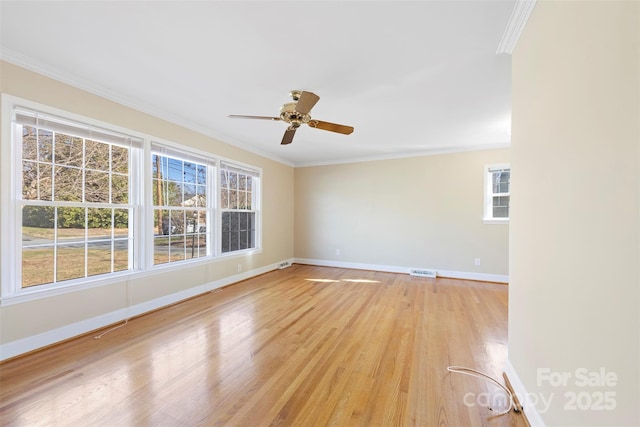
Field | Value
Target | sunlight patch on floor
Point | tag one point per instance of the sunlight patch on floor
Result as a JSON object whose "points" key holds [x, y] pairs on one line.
{"points": [[360, 281], [343, 280]]}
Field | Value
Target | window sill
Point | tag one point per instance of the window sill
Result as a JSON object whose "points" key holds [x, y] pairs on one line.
{"points": [[36, 292], [495, 221]]}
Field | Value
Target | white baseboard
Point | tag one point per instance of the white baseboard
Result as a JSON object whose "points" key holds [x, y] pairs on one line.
{"points": [[530, 411], [398, 269], [34, 342]]}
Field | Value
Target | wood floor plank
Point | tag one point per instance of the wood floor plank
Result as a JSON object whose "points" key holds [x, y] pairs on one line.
{"points": [[304, 346]]}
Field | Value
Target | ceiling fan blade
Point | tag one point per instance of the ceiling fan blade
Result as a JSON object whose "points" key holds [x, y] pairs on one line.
{"points": [[306, 102], [332, 127], [238, 116], [288, 136]]}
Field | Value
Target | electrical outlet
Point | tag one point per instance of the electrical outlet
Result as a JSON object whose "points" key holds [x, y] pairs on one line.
{"points": [[476, 261], [239, 268], [337, 251]]}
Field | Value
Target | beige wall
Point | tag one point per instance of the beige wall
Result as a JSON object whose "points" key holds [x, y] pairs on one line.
{"points": [[424, 212], [575, 224], [23, 320]]}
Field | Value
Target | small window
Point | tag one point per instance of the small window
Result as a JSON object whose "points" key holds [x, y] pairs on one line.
{"points": [[239, 208], [497, 193]]}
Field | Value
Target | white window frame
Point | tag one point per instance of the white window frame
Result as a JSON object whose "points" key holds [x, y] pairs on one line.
{"points": [[489, 194], [256, 206], [11, 219], [141, 198], [167, 149]]}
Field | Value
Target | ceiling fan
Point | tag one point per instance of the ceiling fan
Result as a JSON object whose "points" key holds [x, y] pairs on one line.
{"points": [[296, 113]]}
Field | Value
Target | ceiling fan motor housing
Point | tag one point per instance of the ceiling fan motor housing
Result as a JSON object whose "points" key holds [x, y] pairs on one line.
{"points": [[289, 114]]}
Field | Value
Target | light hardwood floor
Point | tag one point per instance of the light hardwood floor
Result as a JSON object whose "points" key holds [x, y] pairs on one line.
{"points": [[304, 346]]}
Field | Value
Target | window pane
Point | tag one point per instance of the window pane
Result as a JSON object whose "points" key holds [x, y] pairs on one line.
{"points": [[173, 193], [238, 231], [501, 207], [224, 182], [201, 219], [195, 245], [30, 180], [249, 204], [96, 186], [29, 143], [156, 191], [234, 241], [156, 166], [99, 258], [226, 238], [37, 265], [45, 181], [500, 181], [252, 238], [97, 155], [121, 255], [202, 175], [36, 181], [190, 198], [233, 180], [68, 184], [201, 192], [178, 222], [71, 224], [121, 222], [119, 189], [500, 212], [99, 223], [235, 222], [233, 199], [70, 262], [224, 198], [119, 159], [45, 145], [244, 241], [190, 173], [175, 170], [226, 221], [242, 201], [160, 250], [243, 220], [163, 221], [176, 248], [37, 225], [68, 150]]}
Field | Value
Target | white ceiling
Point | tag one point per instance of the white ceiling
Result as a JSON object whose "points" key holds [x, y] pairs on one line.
{"points": [[411, 77]]}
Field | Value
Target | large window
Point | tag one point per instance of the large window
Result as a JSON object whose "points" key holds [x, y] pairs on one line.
{"points": [[76, 213], [239, 207], [180, 216], [84, 202], [497, 193]]}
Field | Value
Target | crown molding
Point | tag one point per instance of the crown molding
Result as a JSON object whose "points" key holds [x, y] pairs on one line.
{"points": [[28, 63], [521, 11], [433, 152]]}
